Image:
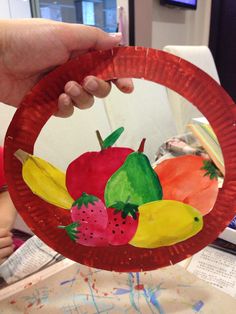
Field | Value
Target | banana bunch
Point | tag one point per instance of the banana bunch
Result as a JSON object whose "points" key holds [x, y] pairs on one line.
{"points": [[44, 180]]}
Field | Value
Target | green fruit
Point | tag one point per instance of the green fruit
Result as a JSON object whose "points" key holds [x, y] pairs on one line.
{"points": [[134, 182]]}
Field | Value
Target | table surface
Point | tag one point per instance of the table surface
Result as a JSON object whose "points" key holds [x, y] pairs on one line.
{"points": [[68, 287]]}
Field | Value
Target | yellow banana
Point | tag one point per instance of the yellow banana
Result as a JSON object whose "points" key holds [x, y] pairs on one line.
{"points": [[44, 180]]}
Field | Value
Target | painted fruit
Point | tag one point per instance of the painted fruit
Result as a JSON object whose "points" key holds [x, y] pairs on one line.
{"points": [[44, 180], [90, 171], [164, 223], [95, 225], [90, 221], [122, 223], [135, 181], [189, 179]]}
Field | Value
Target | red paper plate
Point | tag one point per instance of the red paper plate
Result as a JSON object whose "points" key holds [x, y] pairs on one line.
{"points": [[137, 62]]}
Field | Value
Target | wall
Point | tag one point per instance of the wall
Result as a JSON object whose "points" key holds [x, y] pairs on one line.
{"points": [[175, 26], [156, 25], [15, 9], [143, 22], [19, 8], [4, 9]]}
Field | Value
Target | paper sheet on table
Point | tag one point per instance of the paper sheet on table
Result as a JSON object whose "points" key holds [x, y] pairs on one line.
{"points": [[216, 267], [81, 289], [32, 256]]}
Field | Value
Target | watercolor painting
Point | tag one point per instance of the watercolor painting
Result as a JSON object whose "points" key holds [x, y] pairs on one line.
{"points": [[189, 179], [115, 197]]}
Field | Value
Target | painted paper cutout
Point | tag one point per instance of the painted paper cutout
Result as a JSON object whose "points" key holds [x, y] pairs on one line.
{"points": [[153, 65], [153, 224], [90, 171], [90, 219], [189, 179], [164, 223], [121, 229], [95, 225], [135, 182], [44, 180]]}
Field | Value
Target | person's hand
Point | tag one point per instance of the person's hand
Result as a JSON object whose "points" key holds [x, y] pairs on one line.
{"points": [[6, 244], [29, 49]]}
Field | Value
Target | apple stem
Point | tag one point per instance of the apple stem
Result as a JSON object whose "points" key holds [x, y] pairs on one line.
{"points": [[141, 146], [100, 140]]}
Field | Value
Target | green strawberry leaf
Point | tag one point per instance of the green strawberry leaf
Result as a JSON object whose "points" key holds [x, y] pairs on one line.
{"points": [[112, 138], [71, 230], [86, 200], [119, 206], [126, 209]]}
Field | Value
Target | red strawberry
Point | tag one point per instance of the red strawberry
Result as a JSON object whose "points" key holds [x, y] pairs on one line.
{"points": [[122, 223], [94, 225], [91, 171], [90, 220], [89, 210]]}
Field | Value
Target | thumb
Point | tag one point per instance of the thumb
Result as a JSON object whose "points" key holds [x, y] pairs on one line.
{"points": [[81, 38]]}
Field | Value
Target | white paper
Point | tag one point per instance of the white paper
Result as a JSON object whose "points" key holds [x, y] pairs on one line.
{"points": [[229, 235], [216, 267], [200, 120], [32, 256]]}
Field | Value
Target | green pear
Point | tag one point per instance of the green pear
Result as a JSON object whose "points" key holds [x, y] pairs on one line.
{"points": [[134, 182]]}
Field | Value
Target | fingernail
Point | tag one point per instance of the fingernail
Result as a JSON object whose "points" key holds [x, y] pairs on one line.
{"points": [[73, 90], [91, 85], [66, 100], [127, 88]]}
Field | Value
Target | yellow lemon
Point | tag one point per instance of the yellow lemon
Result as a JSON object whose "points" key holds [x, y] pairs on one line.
{"points": [[166, 222]]}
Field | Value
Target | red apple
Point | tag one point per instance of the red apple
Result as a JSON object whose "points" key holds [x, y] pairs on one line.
{"points": [[90, 171]]}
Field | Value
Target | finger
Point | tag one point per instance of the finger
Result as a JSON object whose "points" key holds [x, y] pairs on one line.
{"points": [[7, 251], [96, 86], [124, 84], [65, 106], [78, 95], [4, 242], [4, 232], [83, 38]]}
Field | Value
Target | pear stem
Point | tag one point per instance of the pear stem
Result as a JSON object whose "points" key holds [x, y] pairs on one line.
{"points": [[100, 140], [141, 146]]}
